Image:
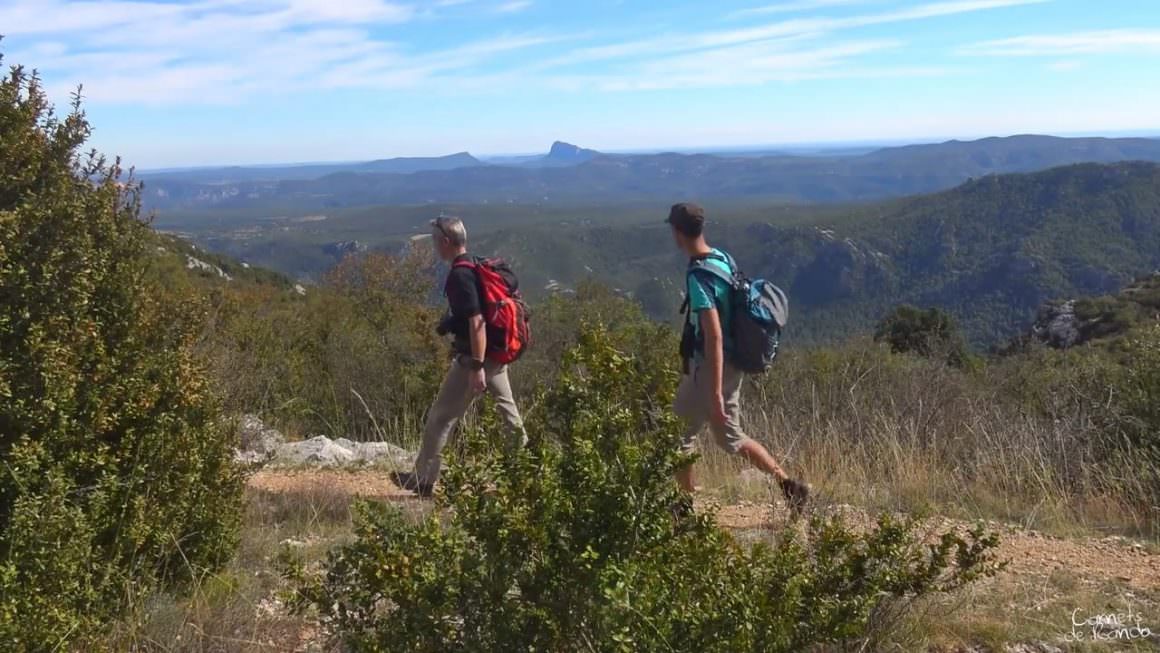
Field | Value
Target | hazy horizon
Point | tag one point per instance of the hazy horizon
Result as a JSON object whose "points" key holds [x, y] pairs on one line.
{"points": [[801, 148]]}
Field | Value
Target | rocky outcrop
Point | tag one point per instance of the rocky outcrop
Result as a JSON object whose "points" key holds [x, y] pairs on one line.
{"points": [[1064, 324], [199, 265], [261, 445], [324, 452], [1056, 325], [567, 154]]}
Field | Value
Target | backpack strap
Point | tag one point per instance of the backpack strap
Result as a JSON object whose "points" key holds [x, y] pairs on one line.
{"points": [[472, 263], [697, 264]]}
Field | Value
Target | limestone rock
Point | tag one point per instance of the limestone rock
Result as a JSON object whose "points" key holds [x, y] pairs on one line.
{"points": [[1057, 325]]}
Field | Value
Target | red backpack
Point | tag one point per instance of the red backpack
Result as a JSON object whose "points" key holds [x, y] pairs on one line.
{"points": [[504, 310]]}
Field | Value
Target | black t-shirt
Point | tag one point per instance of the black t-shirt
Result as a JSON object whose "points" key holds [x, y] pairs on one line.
{"points": [[462, 290]]}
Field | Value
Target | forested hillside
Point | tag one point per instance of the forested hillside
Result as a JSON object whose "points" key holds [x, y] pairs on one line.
{"points": [[990, 251]]}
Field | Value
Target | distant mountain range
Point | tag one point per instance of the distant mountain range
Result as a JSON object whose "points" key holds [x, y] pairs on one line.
{"points": [[569, 174], [241, 174]]}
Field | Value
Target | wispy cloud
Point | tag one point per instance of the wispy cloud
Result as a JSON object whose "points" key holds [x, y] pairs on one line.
{"points": [[223, 51], [787, 50], [804, 28], [21, 17], [515, 6], [1116, 41], [751, 63], [795, 6]]}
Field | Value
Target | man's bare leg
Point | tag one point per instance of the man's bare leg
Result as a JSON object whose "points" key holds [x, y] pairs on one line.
{"points": [[796, 492], [685, 479], [759, 457]]}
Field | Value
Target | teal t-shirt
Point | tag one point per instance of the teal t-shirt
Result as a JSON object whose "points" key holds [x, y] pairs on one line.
{"points": [[707, 291]]}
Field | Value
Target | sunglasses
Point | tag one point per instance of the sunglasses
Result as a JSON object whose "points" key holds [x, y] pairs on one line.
{"points": [[439, 222]]}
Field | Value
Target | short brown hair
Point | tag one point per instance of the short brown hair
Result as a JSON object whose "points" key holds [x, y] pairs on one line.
{"points": [[688, 219]]}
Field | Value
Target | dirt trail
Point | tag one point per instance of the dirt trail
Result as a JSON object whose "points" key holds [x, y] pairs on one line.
{"points": [[1115, 560], [1108, 560]]}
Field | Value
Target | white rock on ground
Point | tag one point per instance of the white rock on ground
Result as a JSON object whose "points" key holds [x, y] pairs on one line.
{"points": [[376, 451], [262, 445], [319, 450]]}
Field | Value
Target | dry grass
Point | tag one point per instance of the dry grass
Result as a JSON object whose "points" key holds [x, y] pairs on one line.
{"points": [[239, 609], [894, 433], [999, 611]]}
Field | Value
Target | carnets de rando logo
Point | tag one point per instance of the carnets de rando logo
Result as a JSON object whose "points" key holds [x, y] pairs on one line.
{"points": [[1118, 626]]}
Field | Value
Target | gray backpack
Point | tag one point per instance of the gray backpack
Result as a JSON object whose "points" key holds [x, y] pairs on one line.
{"points": [[760, 312]]}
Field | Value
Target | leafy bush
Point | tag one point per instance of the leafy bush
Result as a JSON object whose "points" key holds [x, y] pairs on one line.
{"points": [[116, 474], [558, 321], [931, 333], [574, 545]]}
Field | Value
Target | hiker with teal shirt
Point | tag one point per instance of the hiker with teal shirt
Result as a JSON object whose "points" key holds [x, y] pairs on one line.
{"points": [[717, 351]]}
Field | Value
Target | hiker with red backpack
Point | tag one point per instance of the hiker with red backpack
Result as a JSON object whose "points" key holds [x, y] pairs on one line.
{"points": [[488, 320], [732, 327]]}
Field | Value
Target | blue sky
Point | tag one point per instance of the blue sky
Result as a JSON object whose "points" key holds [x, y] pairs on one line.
{"points": [[193, 82]]}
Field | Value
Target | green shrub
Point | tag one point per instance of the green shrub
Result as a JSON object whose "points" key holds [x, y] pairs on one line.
{"points": [[931, 333], [116, 475], [574, 545], [557, 323]]}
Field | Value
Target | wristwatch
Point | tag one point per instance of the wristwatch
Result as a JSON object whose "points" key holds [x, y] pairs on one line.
{"points": [[475, 365]]}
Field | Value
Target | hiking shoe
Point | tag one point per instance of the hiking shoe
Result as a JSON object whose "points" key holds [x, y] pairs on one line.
{"points": [[682, 507], [796, 495], [408, 481]]}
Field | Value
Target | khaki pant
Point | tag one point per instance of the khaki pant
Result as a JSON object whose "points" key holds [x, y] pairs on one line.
{"points": [[455, 397], [692, 403]]}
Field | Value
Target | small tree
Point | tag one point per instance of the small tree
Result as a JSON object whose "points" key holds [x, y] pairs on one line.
{"points": [[116, 476], [930, 333]]}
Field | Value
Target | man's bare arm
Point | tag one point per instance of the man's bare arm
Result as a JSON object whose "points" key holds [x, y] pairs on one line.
{"points": [[477, 334]]}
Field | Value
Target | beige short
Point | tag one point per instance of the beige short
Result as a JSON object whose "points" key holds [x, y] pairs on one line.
{"points": [[693, 404]]}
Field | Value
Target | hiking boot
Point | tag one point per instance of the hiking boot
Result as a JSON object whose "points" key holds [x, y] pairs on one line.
{"points": [[796, 495], [408, 481]]}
